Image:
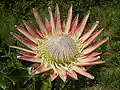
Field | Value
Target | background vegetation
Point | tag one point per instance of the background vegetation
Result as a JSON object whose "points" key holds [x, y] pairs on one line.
{"points": [[13, 72]]}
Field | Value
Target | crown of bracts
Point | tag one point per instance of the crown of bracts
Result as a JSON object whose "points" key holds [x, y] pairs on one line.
{"points": [[59, 48]]}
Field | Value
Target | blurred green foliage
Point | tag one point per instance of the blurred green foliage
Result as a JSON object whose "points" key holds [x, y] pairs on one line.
{"points": [[14, 73]]}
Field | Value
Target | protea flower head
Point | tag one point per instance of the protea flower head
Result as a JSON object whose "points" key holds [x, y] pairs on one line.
{"points": [[59, 48]]}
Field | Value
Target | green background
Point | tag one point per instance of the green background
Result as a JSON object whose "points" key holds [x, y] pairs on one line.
{"points": [[13, 72]]}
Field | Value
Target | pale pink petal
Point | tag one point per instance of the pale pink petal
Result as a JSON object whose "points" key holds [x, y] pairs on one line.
{"points": [[57, 19], [47, 25], [63, 77], [82, 72], [25, 33], [86, 60], [74, 25], [31, 30], [53, 76], [87, 34], [39, 70], [39, 21], [40, 34], [82, 26], [93, 47], [29, 44], [72, 74], [62, 74], [92, 54], [52, 23], [92, 63], [63, 25], [26, 54], [83, 68], [92, 37], [23, 49], [68, 23], [29, 59]]}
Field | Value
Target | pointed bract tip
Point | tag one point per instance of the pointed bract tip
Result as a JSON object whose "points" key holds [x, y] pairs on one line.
{"points": [[24, 21], [102, 29], [37, 72], [34, 9], [103, 62], [15, 25], [11, 32], [98, 57], [106, 39], [71, 6], [18, 56], [92, 77], [10, 46], [49, 7], [76, 78], [56, 5], [97, 21], [78, 15], [88, 12], [63, 78], [45, 18], [54, 76]]}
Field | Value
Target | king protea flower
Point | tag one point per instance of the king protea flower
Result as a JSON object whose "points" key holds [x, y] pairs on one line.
{"points": [[59, 48]]}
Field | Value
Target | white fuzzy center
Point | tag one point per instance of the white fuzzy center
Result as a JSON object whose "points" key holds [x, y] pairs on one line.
{"points": [[61, 47]]}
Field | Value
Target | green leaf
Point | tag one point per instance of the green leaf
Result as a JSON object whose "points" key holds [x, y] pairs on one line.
{"points": [[46, 84], [2, 84], [19, 76]]}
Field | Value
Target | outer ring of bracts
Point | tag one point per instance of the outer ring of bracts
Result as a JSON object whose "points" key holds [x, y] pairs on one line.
{"points": [[55, 27]]}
